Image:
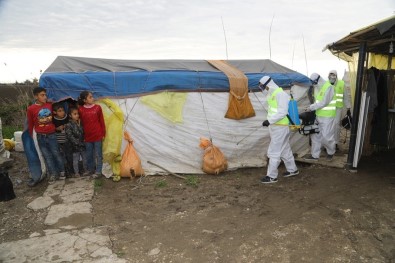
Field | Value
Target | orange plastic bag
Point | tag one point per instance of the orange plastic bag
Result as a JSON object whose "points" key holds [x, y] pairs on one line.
{"points": [[214, 160], [131, 163], [239, 104]]}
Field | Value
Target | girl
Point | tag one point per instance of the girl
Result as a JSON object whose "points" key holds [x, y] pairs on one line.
{"points": [[92, 120], [75, 139]]}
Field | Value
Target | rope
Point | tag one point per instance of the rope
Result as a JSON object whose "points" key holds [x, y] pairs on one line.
{"points": [[204, 109], [260, 102], [129, 112]]}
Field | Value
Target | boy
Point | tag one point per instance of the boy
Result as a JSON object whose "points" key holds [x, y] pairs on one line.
{"points": [[60, 119], [39, 118]]}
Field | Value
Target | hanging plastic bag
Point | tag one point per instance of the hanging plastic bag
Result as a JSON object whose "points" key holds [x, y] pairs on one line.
{"points": [[113, 117], [214, 161], [131, 163]]}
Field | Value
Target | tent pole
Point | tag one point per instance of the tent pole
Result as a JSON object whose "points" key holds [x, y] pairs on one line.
{"points": [[357, 105]]}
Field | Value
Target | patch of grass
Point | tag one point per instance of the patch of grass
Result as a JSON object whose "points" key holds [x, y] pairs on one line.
{"points": [[97, 184], [192, 180], [8, 131], [120, 253], [161, 184]]}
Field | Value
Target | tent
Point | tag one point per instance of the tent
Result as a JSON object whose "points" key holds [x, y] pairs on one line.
{"points": [[369, 52], [169, 104]]}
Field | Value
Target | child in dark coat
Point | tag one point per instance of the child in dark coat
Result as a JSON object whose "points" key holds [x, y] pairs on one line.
{"points": [[75, 139]]}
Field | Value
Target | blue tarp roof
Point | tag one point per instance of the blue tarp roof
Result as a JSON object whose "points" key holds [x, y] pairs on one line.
{"points": [[68, 76]]}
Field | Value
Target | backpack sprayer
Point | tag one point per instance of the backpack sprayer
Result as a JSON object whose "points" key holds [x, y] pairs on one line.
{"points": [[293, 117], [293, 114]]}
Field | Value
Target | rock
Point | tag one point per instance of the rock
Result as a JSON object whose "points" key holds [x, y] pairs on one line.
{"points": [[154, 252], [40, 203], [207, 231], [34, 234], [60, 211]]}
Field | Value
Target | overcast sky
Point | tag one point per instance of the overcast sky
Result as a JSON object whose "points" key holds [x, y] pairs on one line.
{"points": [[34, 32]]}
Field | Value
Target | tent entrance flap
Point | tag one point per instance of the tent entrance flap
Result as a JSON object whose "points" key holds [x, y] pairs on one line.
{"points": [[239, 106]]}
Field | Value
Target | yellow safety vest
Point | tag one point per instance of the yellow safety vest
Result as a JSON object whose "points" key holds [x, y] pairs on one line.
{"points": [[273, 107], [330, 109], [339, 90]]}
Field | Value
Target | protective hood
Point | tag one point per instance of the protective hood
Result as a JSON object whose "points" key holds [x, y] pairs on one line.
{"points": [[267, 81], [332, 79], [333, 72], [316, 78]]}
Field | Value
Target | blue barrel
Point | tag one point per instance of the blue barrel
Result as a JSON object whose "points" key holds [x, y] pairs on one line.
{"points": [[293, 112]]}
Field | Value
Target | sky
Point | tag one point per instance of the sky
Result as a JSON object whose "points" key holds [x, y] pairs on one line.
{"points": [[292, 33]]}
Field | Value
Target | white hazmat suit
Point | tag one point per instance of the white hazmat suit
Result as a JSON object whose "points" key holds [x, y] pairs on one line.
{"points": [[347, 103], [279, 147], [326, 136]]}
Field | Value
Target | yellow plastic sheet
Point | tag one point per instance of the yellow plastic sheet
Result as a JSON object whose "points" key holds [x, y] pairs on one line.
{"points": [[114, 119], [168, 104]]}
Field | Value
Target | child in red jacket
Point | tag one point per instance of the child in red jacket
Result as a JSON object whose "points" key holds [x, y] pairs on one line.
{"points": [[92, 120], [39, 118]]}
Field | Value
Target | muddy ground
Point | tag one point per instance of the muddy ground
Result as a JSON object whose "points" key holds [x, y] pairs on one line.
{"points": [[322, 215]]}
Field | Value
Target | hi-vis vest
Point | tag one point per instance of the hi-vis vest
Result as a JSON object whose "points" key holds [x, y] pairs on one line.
{"points": [[330, 109], [273, 107], [339, 90]]}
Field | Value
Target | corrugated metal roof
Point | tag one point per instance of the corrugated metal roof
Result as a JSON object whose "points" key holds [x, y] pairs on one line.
{"points": [[377, 36]]}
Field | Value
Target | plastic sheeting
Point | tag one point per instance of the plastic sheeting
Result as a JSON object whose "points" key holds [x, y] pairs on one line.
{"points": [[114, 119], [168, 104], [175, 146], [110, 78]]}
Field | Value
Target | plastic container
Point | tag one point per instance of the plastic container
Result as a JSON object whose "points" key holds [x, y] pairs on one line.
{"points": [[18, 141], [293, 112]]}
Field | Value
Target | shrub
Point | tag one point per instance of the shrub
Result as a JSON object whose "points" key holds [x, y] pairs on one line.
{"points": [[8, 131], [13, 110]]}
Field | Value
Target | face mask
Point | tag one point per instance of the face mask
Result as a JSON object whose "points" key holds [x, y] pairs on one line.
{"points": [[332, 79]]}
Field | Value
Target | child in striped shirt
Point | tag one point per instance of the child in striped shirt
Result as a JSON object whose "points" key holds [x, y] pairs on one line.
{"points": [[60, 119]]}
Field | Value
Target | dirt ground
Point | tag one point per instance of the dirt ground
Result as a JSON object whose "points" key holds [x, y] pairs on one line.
{"points": [[321, 215]]}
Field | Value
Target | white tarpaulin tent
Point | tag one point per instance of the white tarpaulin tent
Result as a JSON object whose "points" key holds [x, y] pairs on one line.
{"points": [[175, 144]]}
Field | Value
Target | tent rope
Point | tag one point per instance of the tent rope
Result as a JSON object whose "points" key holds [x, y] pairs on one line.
{"points": [[129, 112], [126, 107], [204, 109], [259, 101]]}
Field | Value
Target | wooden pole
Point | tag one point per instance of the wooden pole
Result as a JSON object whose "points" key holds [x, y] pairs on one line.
{"points": [[176, 175]]}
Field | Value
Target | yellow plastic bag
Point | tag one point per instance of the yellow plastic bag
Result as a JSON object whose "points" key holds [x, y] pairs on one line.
{"points": [[9, 144], [113, 118], [131, 163], [214, 161]]}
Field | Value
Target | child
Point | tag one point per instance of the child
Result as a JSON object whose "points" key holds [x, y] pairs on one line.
{"points": [[39, 118], [92, 120], [60, 119], [75, 139]]}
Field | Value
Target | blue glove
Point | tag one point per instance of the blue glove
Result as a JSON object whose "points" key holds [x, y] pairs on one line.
{"points": [[265, 123]]}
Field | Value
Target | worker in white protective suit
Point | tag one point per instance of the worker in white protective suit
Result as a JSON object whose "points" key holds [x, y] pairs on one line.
{"points": [[343, 99], [325, 111], [278, 123]]}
